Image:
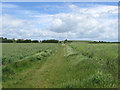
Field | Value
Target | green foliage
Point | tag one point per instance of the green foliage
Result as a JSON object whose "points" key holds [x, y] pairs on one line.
{"points": [[97, 80], [43, 54], [35, 41], [103, 55], [50, 41], [5, 40], [8, 70], [68, 51], [77, 65], [25, 62], [18, 51]]}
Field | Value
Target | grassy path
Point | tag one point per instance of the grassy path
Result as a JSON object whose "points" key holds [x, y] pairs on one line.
{"points": [[57, 71], [67, 68], [46, 75], [49, 74], [63, 69]]}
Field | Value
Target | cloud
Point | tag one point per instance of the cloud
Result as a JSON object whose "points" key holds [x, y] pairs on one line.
{"points": [[93, 23], [11, 21]]}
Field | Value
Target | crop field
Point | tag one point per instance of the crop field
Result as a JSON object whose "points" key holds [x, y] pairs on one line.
{"points": [[15, 52], [49, 65]]}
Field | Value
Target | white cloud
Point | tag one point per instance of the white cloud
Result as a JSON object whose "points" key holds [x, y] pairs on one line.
{"points": [[11, 21], [93, 23]]}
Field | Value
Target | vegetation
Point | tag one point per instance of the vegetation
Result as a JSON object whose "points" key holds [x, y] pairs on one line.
{"points": [[51, 65], [5, 40], [18, 51], [101, 65], [35, 41], [50, 41], [23, 41]]}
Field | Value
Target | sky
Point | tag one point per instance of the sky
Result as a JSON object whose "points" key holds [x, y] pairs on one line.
{"points": [[60, 20]]}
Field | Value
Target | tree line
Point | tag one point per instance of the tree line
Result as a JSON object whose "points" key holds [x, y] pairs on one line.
{"points": [[96, 42], [5, 40]]}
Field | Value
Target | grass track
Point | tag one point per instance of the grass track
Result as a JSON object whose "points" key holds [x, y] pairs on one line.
{"points": [[59, 71], [41, 75]]}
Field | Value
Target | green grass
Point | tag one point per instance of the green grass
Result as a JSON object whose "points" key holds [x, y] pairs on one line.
{"points": [[106, 55], [103, 59], [12, 52], [78, 65]]}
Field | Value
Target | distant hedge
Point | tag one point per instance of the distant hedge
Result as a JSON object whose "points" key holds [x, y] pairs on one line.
{"points": [[5, 40], [50, 41], [35, 41]]}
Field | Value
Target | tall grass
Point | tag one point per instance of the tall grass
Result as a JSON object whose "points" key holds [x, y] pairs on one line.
{"points": [[19, 57], [78, 65], [104, 59], [12, 52]]}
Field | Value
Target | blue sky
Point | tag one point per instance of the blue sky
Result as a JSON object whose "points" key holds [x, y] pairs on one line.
{"points": [[60, 20], [51, 7]]}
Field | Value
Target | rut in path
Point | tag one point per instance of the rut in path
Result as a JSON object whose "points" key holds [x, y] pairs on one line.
{"points": [[51, 72]]}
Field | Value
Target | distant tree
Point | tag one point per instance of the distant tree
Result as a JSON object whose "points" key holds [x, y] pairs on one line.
{"points": [[5, 38], [14, 40], [35, 41], [19, 41], [65, 41], [9, 41], [27, 41], [50, 41], [60, 41]]}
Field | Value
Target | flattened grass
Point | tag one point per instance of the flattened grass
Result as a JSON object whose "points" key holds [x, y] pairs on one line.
{"points": [[78, 65]]}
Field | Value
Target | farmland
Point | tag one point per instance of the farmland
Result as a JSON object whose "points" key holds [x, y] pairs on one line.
{"points": [[76, 65], [17, 51]]}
